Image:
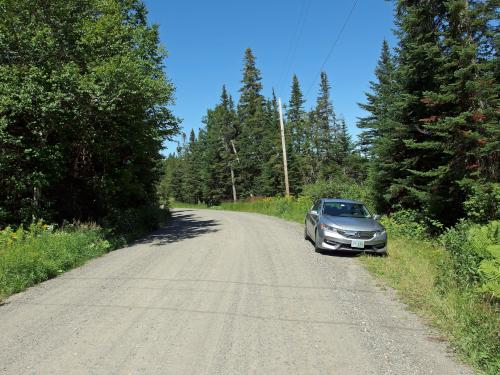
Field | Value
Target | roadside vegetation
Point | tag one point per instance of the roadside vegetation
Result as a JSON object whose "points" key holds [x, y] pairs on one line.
{"points": [[452, 280], [84, 110], [39, 252]]}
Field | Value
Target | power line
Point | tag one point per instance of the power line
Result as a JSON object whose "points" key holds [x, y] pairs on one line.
{"points": [[332, 48], [294, 41]]}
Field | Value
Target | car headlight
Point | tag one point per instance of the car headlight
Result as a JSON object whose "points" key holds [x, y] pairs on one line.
{"points": [[380, 232], [328, 228]]}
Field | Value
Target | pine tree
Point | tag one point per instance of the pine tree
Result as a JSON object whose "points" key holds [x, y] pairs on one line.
{"points": [[297, 138], [191, 189], [219, 157], [311, 160], [271, 179], [419, 26], [462, 108], [378, 101], [378, 140], [229, 133], [251, 118], [343, 141], [325, 129]]}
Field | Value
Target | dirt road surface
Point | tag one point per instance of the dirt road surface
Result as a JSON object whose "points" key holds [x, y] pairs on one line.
{"points": [[217, 293]]}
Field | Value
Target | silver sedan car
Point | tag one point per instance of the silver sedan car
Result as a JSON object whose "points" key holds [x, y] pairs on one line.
{"points": [[341, 224]]}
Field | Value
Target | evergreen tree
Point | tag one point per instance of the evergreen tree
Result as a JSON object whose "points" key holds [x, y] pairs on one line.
{"points": [[251, 117], [325, 131], [271, 179], [325, 120], [311, 160], [377, 101], [378, 140], [419, 26], [297, 138], [462, 110], [343, 142], [219, 155], [229, 133]]}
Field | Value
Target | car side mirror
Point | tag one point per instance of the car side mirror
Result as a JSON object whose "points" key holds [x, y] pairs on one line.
{"points": [[376, 217], [313, 212]]}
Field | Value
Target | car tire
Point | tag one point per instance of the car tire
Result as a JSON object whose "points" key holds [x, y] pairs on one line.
{"points": [[306, 236], [316, 247]]}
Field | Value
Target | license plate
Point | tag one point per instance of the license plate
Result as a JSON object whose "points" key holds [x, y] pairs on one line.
{"points": [[360, 244]]}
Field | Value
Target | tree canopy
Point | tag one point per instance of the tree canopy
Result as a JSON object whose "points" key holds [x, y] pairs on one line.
{"points": [[83, 108]]}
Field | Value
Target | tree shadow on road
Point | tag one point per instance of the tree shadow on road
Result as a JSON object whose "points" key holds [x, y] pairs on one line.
{"points": [[182, 225]]}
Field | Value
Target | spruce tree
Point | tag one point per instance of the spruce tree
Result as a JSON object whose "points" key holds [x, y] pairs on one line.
{"points": [[271, 179], [297, 138], [419, 26], [325, 129], [378, 101], [251, 118], [461, 113], [378, 140]]}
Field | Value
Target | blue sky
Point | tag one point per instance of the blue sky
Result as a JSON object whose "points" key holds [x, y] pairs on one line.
{"points": [[206, 41]]}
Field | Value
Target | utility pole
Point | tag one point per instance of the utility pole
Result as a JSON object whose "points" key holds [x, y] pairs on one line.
{"points": [[231, 168], [283, 145], [234, 150], [233, 184]]}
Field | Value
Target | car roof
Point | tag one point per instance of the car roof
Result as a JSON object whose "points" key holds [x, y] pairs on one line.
{"points": [[338, 200]]}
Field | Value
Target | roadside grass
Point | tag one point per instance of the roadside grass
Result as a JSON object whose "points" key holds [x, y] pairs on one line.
{"points": [[38, 253], [420, 273], [420, 270], [290, 209], [174, 204]]}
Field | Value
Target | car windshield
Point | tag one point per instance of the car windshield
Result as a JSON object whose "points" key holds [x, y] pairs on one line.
{"points": [[345, 209]]}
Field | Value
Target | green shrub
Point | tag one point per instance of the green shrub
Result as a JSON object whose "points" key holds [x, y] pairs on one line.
{"points": [[475, 254], [340, 187], [406, 224], [29, 256], [481, 204], [489, 269]]}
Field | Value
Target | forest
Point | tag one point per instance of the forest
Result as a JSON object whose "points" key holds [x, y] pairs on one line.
{"points": [[84, 110], [429, 142]]}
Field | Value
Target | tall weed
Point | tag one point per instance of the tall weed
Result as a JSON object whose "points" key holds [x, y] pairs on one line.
{"points": [[29, 256]]}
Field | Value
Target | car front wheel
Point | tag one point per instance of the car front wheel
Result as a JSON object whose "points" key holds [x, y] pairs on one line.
{"points": [[306, 236], [316, 246]]}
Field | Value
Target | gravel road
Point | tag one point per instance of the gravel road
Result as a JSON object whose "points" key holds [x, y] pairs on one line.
{"points": [[217, 292]]}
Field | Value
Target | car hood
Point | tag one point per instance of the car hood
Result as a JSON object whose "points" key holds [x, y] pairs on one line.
{"points": [[353, 223]]}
